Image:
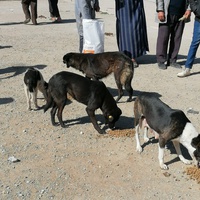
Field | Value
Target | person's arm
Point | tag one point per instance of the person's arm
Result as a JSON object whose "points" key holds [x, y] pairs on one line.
{"points": [[160, 10], [160, 6], [195, 7]]}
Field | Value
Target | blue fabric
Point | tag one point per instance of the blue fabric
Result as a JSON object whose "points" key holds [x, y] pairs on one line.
{"points": [[131, 27], [194, 45]]}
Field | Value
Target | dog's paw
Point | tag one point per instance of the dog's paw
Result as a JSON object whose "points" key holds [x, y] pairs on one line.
{"points": [[187, 162], [163, 166], [101, 132], [146, 139], [139, 149]]}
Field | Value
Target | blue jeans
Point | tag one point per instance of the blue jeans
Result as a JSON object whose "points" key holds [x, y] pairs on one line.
{"points": [[194, 45]]}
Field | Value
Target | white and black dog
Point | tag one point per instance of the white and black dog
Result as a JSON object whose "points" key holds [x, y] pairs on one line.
{"points": [[170, 124], [34, 81]]}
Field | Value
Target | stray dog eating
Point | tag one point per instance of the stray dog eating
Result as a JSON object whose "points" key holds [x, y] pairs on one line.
{"points": [[34, 81], [170, 124], [93, 94], [100, 65]]}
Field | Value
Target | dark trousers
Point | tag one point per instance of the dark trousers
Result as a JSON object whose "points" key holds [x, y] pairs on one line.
{"points": [[25, 6], [53, 8], [169, 34]]}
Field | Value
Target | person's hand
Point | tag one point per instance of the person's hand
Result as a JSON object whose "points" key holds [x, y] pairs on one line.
{"points": [[161, 16], [96, 8], [187, 14]]}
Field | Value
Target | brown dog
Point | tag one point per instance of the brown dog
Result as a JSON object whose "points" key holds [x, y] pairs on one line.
{"points": [[100, 65], [93, 94]]}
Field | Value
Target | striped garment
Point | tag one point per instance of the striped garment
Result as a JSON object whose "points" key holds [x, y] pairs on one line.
{"points": [[131, 27]]}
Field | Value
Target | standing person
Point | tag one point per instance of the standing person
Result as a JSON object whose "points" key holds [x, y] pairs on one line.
{"points": [[131, 28], [54, 11], [84, 9], [169, 14], [195, 7], [30, 15]]}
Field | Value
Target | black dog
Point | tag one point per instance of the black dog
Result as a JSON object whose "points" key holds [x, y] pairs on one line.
{"points": [[34, 81], [100, 65], [170, 124], [93, 94]]}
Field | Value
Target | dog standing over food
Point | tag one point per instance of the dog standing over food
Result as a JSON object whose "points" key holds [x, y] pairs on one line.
{"points": [[100, 65], [170, 124], [34, 81], [93, 94]]}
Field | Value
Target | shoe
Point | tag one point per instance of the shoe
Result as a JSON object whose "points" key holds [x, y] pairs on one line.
{"points": [[175, 65], [27, 21], [57, 20], [162, 66], [184, 73], [34, 22]]}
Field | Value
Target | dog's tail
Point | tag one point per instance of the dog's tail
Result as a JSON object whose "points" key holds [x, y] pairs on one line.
{"points": [[137, 113], [49, 101]]}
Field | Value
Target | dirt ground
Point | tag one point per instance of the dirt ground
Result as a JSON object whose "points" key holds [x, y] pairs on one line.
{"points": [[76, 162]]}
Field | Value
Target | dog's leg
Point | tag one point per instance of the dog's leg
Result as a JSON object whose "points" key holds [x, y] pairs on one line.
{"points": [[129, 89], [53, 112], [35, 98], [179, 153], [120, 92], [146, 129], [161, 148], [59, 113], [28, 100], [138, 146], [119, 86], [161, 157], [91, 115], [146, 139]]}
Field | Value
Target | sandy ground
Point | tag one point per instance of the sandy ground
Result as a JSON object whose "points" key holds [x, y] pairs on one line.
{"points": [[76, 162]]}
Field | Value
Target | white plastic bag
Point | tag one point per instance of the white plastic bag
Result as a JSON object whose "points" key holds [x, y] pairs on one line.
{"points": [[93, 36]]}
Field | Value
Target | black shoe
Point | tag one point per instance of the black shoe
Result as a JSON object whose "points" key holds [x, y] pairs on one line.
{"points": [[162, 66], [27, 21], [175, 65]]}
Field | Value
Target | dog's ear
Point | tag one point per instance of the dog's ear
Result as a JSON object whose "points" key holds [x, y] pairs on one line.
{"points": [[196, 142], [110, 118]]}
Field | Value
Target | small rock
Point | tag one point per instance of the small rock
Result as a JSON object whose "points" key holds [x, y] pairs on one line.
{"points": [[13, 159]]}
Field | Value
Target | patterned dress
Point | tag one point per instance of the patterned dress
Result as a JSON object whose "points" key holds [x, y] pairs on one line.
{"points": [[131, 27]]}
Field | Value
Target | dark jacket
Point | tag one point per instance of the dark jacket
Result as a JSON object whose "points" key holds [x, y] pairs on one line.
{"points": [[195, 7]]}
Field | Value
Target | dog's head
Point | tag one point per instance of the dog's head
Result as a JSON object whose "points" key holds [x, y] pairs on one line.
{"points": [[196, 144], [112, 117], [68, 59]]}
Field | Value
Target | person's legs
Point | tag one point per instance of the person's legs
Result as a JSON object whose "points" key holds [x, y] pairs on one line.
{"points": [[82, 11], [54, 11], [34, 11], [25, 7], [194, 45], [162, 44], [50, 8], [177, 28], [192, 50]]}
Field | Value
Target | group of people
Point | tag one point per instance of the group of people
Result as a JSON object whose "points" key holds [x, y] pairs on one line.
{"points": [[32, 15], [131, 28], [132, 32]]}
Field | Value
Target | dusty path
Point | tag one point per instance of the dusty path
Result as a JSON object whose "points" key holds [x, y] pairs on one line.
{"points": [[77, 163]]}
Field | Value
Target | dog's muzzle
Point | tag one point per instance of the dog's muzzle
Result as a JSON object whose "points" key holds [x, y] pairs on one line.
{"points": [[65, 62]]}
